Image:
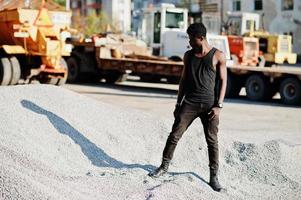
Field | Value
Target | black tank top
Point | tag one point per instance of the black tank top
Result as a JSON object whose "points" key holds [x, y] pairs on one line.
{"points": [[200, 79]]}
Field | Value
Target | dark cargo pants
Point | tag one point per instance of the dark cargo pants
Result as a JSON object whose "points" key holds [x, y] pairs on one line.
{"points": [[186, 115]]}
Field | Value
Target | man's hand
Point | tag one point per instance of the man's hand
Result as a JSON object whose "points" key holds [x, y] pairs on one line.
{"points": [[176, 112], [214, 113]]}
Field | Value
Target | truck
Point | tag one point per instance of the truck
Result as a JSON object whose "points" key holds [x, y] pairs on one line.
{"points": [[261, 82], [91, 60], [162, 26], [165, 24], [32, 46]]}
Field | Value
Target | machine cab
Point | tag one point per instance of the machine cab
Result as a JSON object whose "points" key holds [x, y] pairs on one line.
{"points": [[162, 23], [241, 23]]}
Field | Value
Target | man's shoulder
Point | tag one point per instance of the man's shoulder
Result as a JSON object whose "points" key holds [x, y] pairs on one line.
{"points": [[220, 55], [188, 52]]}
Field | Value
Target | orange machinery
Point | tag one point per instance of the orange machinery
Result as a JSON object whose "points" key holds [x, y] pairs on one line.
{"points": [[245, 50], [31, 46]]}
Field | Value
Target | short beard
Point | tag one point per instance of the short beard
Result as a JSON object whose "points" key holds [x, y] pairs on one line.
{"points": [[198, 49]]}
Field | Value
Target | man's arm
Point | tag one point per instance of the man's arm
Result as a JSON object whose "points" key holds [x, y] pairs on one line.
{"points": [[221, 66], [181, 91]]}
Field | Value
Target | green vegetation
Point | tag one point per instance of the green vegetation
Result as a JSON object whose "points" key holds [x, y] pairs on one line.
{"points": [[93, 23], [60, 2]]}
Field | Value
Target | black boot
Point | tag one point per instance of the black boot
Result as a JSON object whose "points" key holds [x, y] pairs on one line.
{"points": [[160, 170], [214, 181]]}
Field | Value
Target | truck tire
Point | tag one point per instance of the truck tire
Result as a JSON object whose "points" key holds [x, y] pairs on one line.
{"points": [[150, 78], [173, 80], [16, 70], [258, 88], [233, 86], [62, 80], [290, 91], [56, 80], [146, 77], [51, 81], [175, 58], [84, 67], [5, 71], [115, 77], [73, 70]]}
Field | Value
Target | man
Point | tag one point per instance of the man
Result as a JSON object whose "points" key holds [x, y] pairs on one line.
{"points": [[201, 94]]}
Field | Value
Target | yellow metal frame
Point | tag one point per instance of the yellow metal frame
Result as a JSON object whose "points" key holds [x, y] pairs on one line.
{"points": [[13, 49]]}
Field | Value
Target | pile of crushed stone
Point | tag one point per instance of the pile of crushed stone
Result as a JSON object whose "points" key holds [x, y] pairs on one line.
{"points": [[56, 144]]}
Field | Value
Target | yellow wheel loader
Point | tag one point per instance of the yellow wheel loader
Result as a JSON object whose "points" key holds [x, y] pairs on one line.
{"points": [[276, 48]]}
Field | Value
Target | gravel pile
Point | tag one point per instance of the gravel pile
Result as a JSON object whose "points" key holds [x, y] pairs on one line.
{"points": [[56, 144]]}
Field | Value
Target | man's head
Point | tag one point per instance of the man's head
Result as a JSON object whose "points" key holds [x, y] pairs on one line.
{"points": [[197, 35]]}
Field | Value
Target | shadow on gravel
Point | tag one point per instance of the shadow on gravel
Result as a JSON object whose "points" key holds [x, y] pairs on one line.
{"points": [[95, 154]]}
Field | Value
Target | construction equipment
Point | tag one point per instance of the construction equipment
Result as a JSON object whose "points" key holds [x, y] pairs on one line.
{"points": [[103, 62], [261, 83], [245, 50], [276, 48], [165, 24], [32, 46], [100, 58]]}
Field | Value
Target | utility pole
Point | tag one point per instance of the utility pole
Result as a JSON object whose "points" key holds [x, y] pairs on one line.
{"points": [[222, 15]]}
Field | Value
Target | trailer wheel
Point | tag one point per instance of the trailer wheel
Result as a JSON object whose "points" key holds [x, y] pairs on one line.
{"points": [[53, 81], [5, 71], [175, 58], [62, 80], [290, 91], [16, 70], [146, 78], [150, 78], [233, 86], [258, 88], [115, 76], [73, 70], [173, 80]]}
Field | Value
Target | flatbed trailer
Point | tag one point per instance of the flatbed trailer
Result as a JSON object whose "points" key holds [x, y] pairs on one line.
{"points": [[145, 69], [261, 83]]}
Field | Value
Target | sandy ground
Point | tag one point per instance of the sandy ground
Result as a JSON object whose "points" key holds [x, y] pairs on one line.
{"points": [[57, 144]]}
